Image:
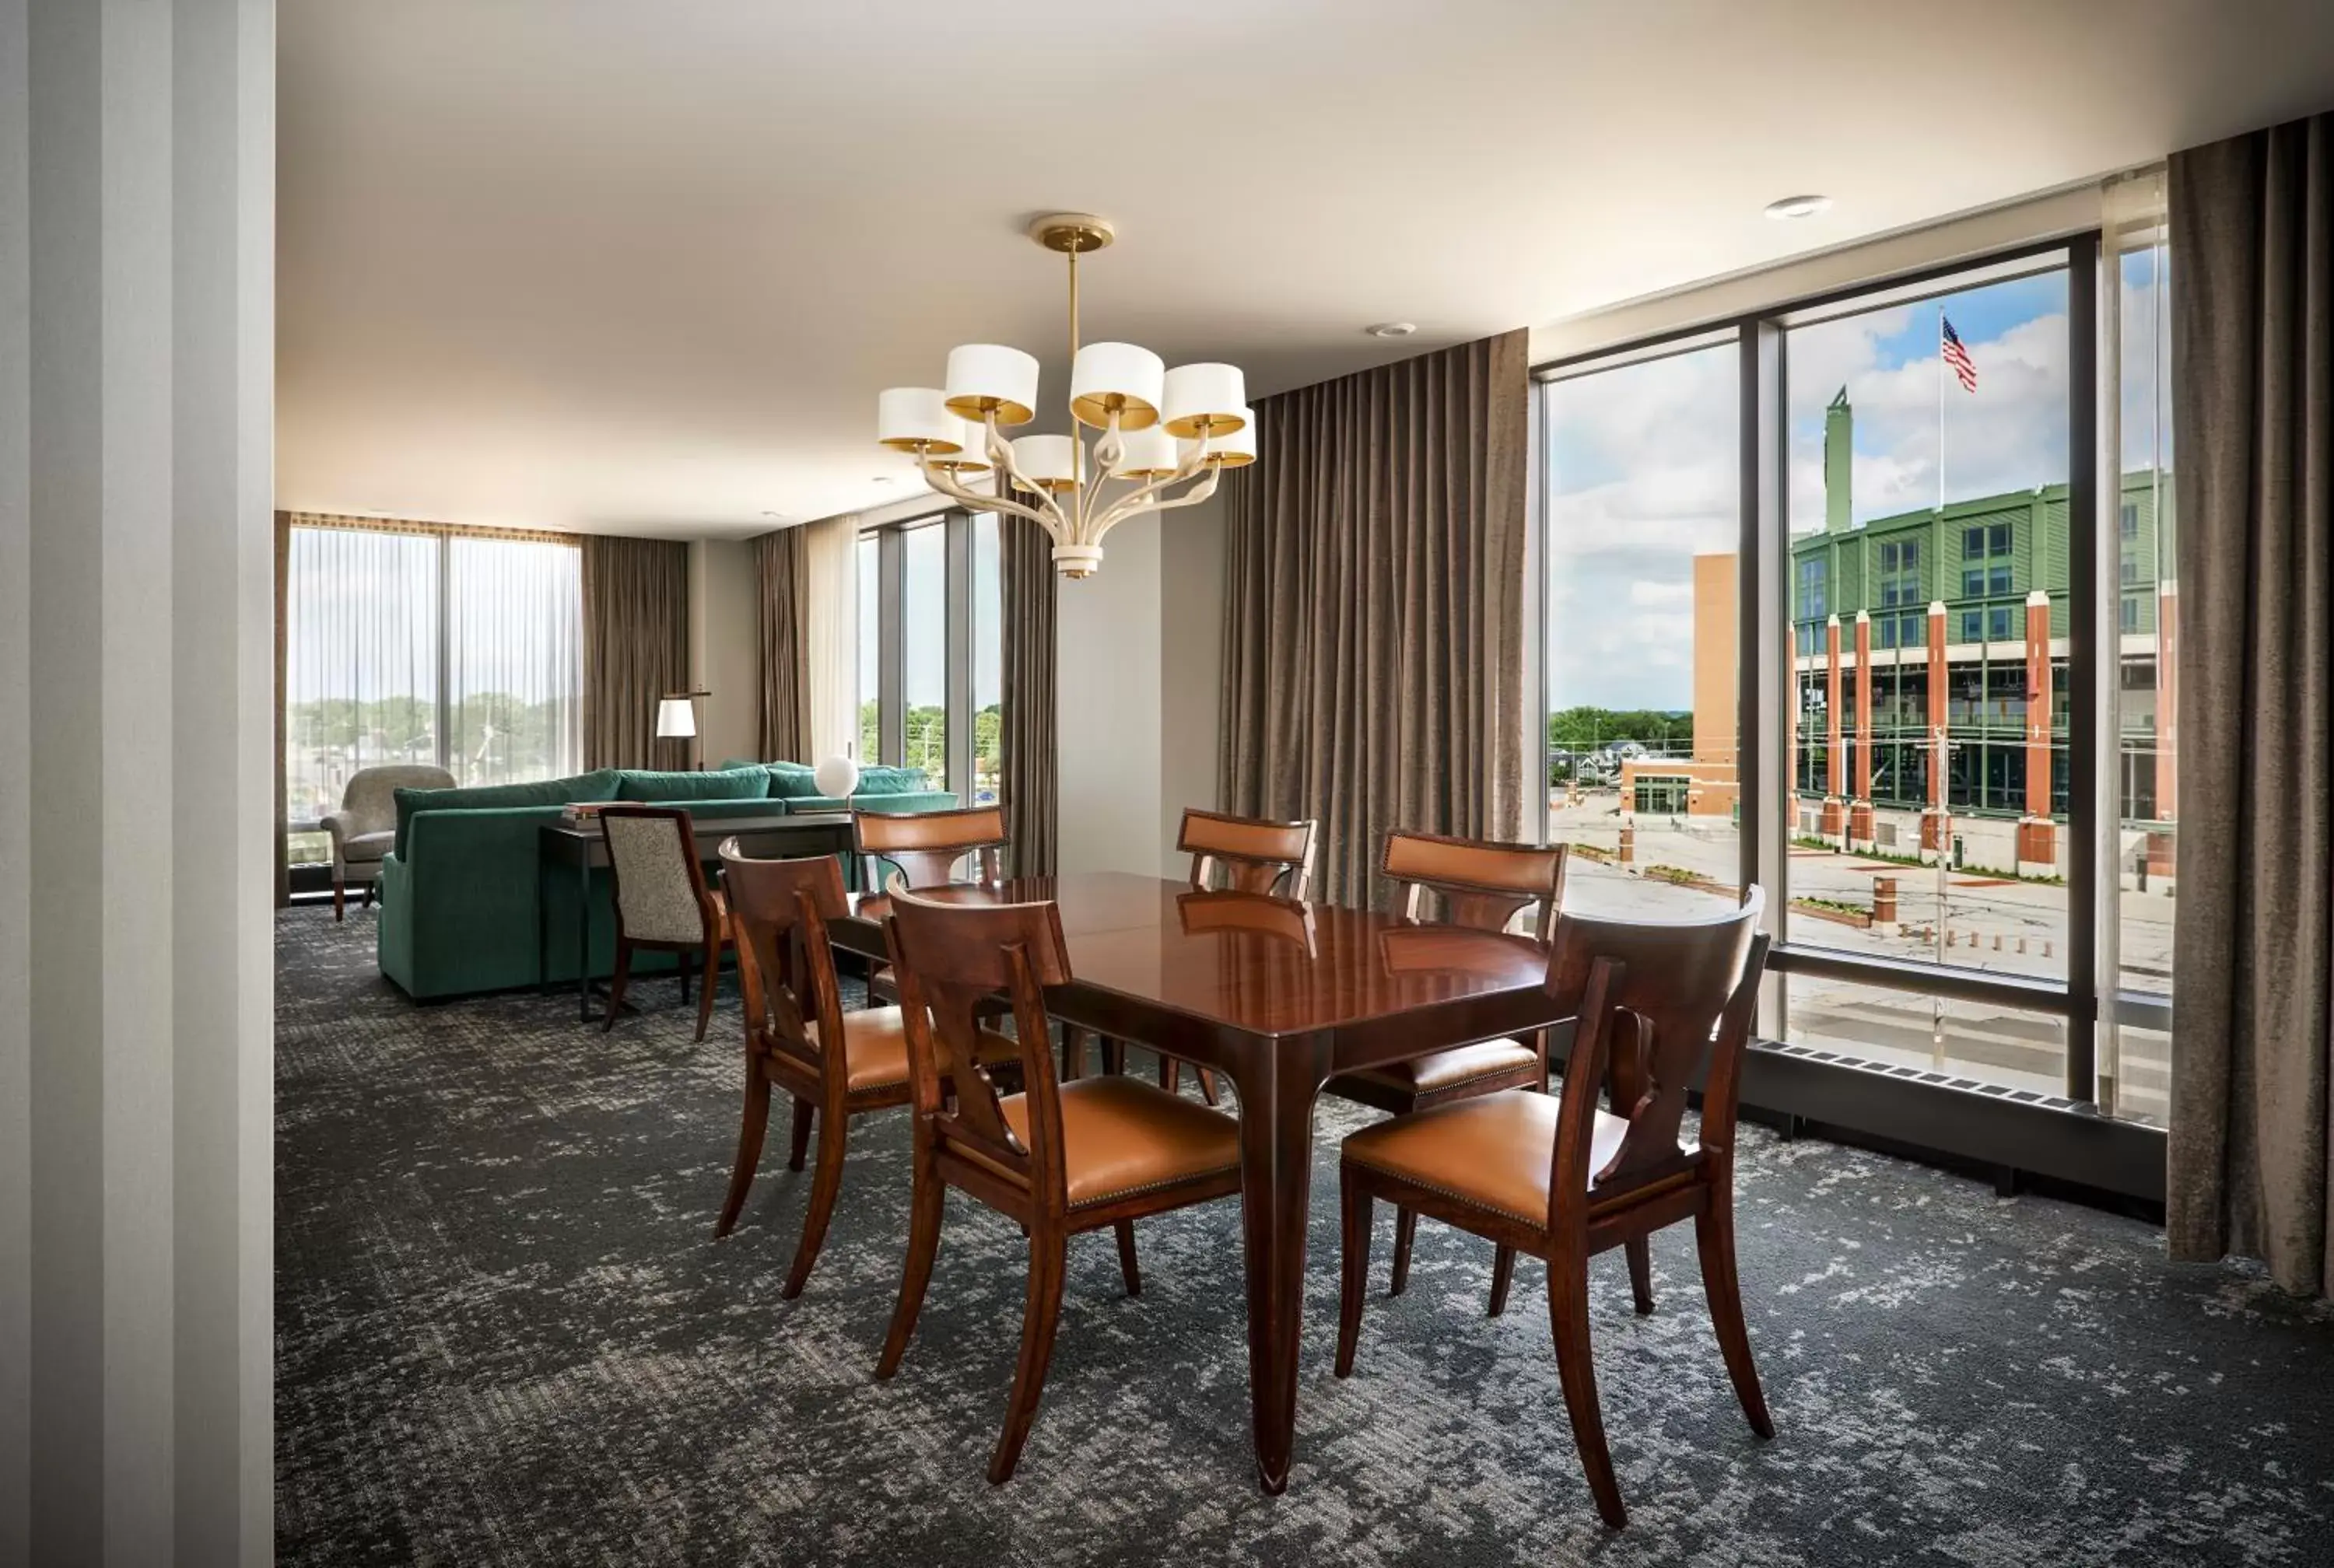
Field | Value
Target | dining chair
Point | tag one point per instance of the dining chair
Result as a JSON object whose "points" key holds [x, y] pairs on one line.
{"points": [[1246, 855], [1557, 1176], [925, 849], [1060, 1159], [662, 904], [832, 1064], [1482, 884]]}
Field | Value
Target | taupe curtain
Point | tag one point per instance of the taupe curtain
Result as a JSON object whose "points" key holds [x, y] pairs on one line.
{"points": [[2252, 345], [635, 647], [1029, 758], [782, 622], [1373, 580]]}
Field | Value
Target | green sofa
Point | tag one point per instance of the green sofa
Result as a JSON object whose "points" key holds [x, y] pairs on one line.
{"points": [[459, 890]]}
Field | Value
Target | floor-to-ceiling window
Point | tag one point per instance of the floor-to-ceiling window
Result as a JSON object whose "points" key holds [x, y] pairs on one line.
{"points": [[928, 635], [456, 648], [1866, 570]]}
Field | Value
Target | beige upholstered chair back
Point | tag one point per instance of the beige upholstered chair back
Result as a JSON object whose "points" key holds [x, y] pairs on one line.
{"points": [[656, 874], [371, 798]]}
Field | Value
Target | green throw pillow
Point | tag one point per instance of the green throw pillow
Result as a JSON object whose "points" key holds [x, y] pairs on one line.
{"points": [[599, 785], [733, 784], [891, 780], [792, 780]]}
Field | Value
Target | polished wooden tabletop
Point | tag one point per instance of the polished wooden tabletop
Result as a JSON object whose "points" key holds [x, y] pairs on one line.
{"points": [[1260, 965]]}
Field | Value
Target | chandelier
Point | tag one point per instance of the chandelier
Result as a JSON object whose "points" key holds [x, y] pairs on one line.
{"points": [[1157, 428]]}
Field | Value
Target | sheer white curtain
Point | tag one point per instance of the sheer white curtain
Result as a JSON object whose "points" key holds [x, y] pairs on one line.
{"points": [[360, 659], [514, 660], [832, 560]]}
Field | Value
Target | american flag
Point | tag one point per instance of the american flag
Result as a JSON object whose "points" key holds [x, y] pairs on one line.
{"points": [[1956, 356]]}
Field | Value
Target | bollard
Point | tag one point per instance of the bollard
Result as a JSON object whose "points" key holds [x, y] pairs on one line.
{"points": [[1628, 846], [1884, 900]]}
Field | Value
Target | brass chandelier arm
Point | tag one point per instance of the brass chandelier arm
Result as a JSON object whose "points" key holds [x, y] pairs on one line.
{"points": [[941, 480], [1129, 505]]}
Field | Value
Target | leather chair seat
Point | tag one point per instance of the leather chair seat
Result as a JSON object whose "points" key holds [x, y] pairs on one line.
{"points": [[875, 1049], [1121, 1135], [1447, 1070], [1493, 1152]]}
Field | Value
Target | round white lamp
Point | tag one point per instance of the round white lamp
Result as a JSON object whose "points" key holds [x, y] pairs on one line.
{"points": [[917, 419], [1048, 462], [836, 777]]}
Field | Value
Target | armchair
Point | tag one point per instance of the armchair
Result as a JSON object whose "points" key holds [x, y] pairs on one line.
{"points": [[365, 827]]}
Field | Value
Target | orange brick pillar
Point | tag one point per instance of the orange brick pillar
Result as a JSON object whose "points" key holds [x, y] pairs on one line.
{"points": [[1932, 820], [1859, 809], [2038, 839], [1834, 815]]}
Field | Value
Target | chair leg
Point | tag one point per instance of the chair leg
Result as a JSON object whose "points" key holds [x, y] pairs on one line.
{"points": [[1113, 1056], [712, 981], [340, 900], [750, 1127], [825, 1181], [680, 964], [1405, 1231], [1355, 1207], [616, 986], [1503, 1274], [1074, 1053], [1039, 1319], [1713, 1234], [1171, 1073], [1641, 1273], [801, 1133], [1126, 1268], [1568, 1315], [923, 1245]]}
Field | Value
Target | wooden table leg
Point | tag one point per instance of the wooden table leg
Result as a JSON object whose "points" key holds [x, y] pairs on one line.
{"points": [[1277, 1089]]}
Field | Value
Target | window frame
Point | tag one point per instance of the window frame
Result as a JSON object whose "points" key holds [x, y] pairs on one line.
{"points": [[956, 598], [1768, 603]]}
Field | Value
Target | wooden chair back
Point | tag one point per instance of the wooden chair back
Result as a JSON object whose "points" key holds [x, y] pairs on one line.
{"points": [[924, 847], [1254, 855], [1650, 999], [950, 959], [1481, 882], [786, 967], [658, 887]]}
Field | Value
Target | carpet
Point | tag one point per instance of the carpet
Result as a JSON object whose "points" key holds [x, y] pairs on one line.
{"points": [[504, 1336]]}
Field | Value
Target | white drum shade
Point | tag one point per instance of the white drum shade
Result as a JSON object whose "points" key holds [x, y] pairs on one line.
{"points": [[1149, 455], [1237, 450], [676, 718], [912, 419], [1121, 375], [1204, 395], [971, 455], [990, 376], [1047, 462]]}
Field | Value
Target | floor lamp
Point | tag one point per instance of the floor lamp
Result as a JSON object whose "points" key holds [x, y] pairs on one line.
{"points": [[676, 719]]}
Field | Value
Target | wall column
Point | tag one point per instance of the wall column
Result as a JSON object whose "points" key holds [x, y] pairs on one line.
{"points": [[2038, 836], [1835, 811], [2167, 725], [1860, 811], [137, 288], [1935, 825]]}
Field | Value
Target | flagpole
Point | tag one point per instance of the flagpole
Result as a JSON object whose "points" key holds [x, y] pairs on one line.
{"points": [[1940, 413]]}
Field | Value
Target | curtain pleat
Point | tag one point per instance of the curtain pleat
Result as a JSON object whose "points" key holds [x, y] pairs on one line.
{"points": [[1028, 784], [2252, 1000], [831, 655], [1374, 585], [636, 647], [781, 617], [514, 660]]}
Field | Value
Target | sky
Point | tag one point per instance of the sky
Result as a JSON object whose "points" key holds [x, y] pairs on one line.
{"points": [[1642, 468], [924, 604]]}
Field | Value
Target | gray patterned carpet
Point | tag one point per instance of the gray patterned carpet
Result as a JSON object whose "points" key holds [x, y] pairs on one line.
{"points": [[503, 1337]]}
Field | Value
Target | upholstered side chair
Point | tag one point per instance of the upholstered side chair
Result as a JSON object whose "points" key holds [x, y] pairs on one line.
{"points": [[662, 904], [365, 829]]}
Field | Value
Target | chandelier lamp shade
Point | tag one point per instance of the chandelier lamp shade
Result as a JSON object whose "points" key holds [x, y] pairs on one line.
{"points": [[1160, 435]]}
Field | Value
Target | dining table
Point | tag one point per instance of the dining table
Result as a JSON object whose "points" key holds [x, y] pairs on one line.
{"points": [[1277, 996]]}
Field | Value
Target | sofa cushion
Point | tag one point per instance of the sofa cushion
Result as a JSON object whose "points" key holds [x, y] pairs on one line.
{"points": [[792, 780], [892, 781], [735, 784], [599, 785]]}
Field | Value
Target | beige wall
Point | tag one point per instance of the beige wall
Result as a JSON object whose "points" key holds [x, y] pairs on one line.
{"points": [[725, 647], [1191, 665], [1107, 632]]}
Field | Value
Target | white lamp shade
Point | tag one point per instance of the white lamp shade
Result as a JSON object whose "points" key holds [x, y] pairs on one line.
{"points": [[1117, 376], [971, 455], [990, 377], [1235, 450], [1047, 462], [676, 718], [1208, 397], [1149, 455], [836, 777], [907, 418]]}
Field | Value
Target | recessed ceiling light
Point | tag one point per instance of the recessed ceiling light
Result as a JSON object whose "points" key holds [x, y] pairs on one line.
{"points": [[1799, 206], [884, 479], [775, 516], [1392, 328]]}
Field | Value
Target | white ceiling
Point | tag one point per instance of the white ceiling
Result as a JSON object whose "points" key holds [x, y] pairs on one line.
{"points": [[617, 265]]}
